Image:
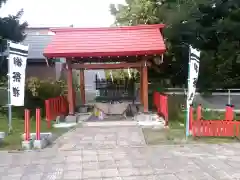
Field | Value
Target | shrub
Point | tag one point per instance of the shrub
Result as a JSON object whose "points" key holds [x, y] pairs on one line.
{"points": [[39, 90], [36, 92], [44, 89]]}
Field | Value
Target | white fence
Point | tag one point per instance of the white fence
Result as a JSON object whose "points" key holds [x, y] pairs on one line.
{"points": [[215, 100]]}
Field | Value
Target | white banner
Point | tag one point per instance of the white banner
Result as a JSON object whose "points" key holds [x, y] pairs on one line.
{"points": [[17, 66], [193, 74]]}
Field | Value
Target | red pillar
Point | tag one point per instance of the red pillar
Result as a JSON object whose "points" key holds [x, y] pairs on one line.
{"points": [[82, 86], [141, 85], [145, 86], [70, 88]]}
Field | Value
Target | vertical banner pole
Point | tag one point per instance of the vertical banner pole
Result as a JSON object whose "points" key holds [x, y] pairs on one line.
{"points": [[187, 104], [193, 72], [9, 96], [17, 60]]}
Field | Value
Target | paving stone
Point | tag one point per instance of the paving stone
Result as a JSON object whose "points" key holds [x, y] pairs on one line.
{"points": [[72, 175], [11, 177], [194, 175], [134, 178], [105, 157], [16, 170], [120, 153], [73, 166], [107, 165], [90, 165], [73, 159], [123, 163], [40, 161], [87, 174], [112, 178], [165, 177], [109, 173], [129, 172], [90, 158], [144, 171], [32, 176], [53, 175], [58, 160], [139, 163], [35, 168], [54, 172]]}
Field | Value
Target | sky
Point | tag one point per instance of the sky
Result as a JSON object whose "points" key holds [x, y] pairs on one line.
{"points": [[57, 13]]}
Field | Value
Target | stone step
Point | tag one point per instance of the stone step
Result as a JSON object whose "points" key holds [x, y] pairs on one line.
{"points": [[109, 123]]}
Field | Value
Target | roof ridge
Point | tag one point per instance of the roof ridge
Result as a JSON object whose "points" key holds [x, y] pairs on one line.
{"points": [[37, 35], [138, 27]]}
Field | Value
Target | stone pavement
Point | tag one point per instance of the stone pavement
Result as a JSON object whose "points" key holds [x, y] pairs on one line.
{"points": [[120, 153]]}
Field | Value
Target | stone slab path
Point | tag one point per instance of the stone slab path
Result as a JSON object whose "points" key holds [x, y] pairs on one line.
{"points": [[120, 153]]}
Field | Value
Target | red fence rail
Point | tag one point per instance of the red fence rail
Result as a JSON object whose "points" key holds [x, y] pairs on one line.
{"points": [[55, 107], [214, 128], [161, 103]]}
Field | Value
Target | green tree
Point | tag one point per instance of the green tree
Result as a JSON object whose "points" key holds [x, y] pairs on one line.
{"points": [[209, 25], [215, 32], [10, 29], [171, 13]]}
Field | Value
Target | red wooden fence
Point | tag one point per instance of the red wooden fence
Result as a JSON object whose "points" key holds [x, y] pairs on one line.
{"points": [[215, 128], [55, 107], [161, 103]]}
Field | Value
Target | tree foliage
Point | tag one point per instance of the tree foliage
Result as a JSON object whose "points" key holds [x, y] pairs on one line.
{"points": [[209, 25], [10, 29]]}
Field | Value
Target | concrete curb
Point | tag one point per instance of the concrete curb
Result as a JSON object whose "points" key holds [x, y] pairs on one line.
{"points": [[45, 139]]}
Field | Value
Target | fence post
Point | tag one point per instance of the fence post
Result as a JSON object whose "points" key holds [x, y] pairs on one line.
{"points": [[166, 110], [48, 111], [199, 112], [27, 124], [38, 119], [229, 114], [229, 96], [190, 119]]}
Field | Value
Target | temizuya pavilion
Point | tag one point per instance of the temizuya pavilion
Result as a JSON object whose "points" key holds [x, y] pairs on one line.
{"points": [[91, 48]]}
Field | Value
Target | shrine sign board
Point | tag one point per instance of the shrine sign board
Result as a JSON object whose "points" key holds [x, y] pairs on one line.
{"points": [[17, 67]]}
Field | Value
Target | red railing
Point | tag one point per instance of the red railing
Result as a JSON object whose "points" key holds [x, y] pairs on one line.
{"points": [[161, 103], [215, 128], [27, 130], [55, 107]]}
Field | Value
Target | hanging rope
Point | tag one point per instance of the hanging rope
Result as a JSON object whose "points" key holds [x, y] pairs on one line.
{"points": [[111, 75], [129, 73]]}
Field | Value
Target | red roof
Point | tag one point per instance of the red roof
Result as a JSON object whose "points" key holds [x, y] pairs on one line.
{"points": [[112, 41]]}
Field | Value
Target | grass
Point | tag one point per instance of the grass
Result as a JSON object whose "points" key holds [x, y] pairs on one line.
{"points": [[176, 135], [13, 140], [176, 132]]}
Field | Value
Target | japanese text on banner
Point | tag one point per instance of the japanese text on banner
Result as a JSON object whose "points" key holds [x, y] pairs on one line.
{"points": [[193, 74], [17, 67]]}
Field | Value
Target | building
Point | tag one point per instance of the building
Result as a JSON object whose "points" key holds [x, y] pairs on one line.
{"points": [[37, 65], [37, 40]]}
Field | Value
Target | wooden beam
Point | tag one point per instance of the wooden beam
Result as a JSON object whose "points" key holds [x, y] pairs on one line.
{"points": [[108, 66], [109, 59], [145, 87], [82, 87], [70, 88]]}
